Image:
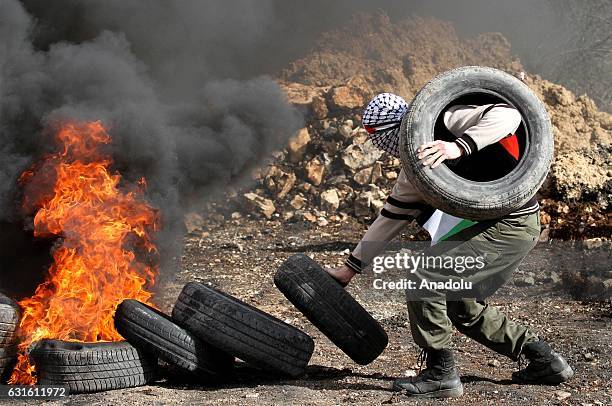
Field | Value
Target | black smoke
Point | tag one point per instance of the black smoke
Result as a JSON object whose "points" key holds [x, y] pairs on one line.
{"points": [[174, 94]]}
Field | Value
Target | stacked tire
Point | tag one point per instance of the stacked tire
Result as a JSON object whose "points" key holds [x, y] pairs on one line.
{"points": [[208, 329], [9, 321], [242, 330], [156, 333], [91, 367]]}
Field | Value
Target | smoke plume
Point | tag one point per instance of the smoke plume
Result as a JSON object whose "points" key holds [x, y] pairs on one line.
{"points": [[166, 82]]}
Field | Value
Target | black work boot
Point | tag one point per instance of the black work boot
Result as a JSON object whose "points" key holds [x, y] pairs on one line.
{"points": [[438, 380], [545, 367]]}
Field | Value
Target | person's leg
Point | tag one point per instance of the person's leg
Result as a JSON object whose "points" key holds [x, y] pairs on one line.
{"points": [[429, 325], [503, 245], [490, 327], [487, 325], [431, 330], [484, 323]]}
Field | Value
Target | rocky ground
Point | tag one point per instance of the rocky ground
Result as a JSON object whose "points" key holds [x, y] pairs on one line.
{"points": [[240, 256]]}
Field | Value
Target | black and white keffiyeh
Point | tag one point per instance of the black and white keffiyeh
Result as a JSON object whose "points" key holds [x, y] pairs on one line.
{"points": [[382, 118]]}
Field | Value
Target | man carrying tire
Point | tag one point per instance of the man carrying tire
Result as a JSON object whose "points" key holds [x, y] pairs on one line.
{"points": [[510, 238]]}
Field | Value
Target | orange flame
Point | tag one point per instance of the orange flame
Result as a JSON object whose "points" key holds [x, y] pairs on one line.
{"points": [[106, 249]]}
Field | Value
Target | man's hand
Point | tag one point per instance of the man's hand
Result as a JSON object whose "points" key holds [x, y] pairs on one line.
{"points": [[437, 152], [343, 274]]}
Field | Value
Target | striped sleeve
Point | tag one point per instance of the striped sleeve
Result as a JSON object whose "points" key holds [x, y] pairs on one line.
{"points": [[479, 126], [402, 206]]}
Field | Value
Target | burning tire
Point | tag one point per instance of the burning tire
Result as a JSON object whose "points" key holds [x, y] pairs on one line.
{"points": [[331, 309], [242, 330], [8, 357], [442, 187], [91, 367], [153, 332], [9, 321]]}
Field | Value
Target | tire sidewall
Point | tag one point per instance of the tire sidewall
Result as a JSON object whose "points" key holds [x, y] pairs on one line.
{"points": [[446, 190]]}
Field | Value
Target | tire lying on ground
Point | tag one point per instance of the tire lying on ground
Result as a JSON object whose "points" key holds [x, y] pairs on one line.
{"points": [[10, 315], [242, 330], [152, 331], [91, 367], [444, 189], [9, 320], [8, 357], [331, 309]]}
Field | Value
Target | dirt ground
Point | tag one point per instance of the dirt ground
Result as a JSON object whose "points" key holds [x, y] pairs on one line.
{"points": [[241, 256]]}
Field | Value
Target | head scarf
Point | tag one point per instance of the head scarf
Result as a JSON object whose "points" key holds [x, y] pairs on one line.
{"points": [[382, 118]]}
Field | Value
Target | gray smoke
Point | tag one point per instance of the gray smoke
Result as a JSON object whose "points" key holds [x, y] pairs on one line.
{"points": [[150, 78], [166, 81]]}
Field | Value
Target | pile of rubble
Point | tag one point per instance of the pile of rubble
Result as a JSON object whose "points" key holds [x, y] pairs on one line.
{"points": [[329, 170]]}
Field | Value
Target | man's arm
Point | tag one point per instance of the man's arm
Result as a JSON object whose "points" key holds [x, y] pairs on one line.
{"points": [[402, 206], [475, 127], [479, 126]]}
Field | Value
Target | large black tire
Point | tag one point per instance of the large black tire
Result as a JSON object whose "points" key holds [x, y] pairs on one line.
{"points": [[152, 331], [444, 189], [8, 357], [10, 315], [331, 309], [91, 367], [242, 330]]}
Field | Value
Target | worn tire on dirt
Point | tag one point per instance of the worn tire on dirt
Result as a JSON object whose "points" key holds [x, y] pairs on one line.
{"points": [[152, 331], [91, 367], [331, 309], [242, 330], [451, 193]]}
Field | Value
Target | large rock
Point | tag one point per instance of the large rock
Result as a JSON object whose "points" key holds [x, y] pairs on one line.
{"points": [[319, 108], [314, 171], [362, 204], [260, 204], [368, 202], [369, 175], [278, 182], [363, 176], [584, 175], [377, 172], [346, 98], [357, 157], [307, 99], [297, 145], [298, 202], [330, 200], [286, 184], [345, 132], [193, 222]]}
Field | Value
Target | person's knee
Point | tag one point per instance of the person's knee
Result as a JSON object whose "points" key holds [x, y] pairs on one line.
{"points": [[455, 310], [463, 311]]}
